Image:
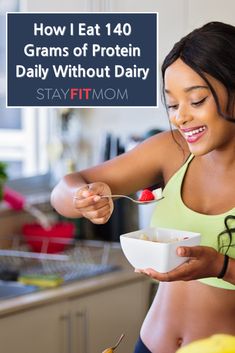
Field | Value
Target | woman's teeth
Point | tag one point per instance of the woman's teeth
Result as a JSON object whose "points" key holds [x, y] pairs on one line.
{"points": [[194, 132]]}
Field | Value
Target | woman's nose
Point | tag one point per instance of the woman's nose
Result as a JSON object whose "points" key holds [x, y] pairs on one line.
{"points": [[182, 116]]}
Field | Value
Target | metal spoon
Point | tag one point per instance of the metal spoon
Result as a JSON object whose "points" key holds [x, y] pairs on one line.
{"points": [[111, 349], [132, 199]]}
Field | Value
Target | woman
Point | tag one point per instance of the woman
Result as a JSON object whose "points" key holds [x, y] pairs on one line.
{"points": [[197, 166]]}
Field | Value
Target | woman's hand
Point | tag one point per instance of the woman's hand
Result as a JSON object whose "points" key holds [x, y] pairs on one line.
{"points": [[88, 202], [203, 262]]}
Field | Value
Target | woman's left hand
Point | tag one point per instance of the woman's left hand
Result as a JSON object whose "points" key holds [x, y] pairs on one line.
{"points": [[204, 261]]}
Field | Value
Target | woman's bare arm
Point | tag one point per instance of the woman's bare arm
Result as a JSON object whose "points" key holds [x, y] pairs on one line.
{"points": [[149, 163]]}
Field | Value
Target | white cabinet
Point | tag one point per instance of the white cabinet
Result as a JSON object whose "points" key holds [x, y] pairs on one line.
{"points": [[40, 330], [87, 324], [100, 319]]}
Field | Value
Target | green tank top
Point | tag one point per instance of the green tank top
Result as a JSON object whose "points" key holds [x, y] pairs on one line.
{"points": [[171, 212]]}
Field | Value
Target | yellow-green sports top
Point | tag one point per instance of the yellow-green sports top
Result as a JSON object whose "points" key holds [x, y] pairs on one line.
{"points": [[171, 212]]}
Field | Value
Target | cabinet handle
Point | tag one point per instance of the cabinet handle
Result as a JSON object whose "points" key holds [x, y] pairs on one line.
{"points": [[81, 317], [66, 348]]}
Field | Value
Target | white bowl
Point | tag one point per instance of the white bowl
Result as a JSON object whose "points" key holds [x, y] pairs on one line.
{"points": [[159, 250]]}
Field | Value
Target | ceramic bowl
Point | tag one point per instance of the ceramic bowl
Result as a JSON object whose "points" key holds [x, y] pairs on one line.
{"points": [[156, 247]]}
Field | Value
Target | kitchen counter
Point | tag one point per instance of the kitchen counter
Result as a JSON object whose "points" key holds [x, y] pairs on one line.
{"points": [[76, 289]]}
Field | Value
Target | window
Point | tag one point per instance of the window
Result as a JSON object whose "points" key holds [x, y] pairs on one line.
{"points": [[24, 132]]}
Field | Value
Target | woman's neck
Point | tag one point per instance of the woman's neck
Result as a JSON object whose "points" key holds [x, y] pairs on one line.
{"points": [[220, 160]]}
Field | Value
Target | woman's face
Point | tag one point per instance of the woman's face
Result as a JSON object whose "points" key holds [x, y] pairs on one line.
{"points": [[193, 111]]}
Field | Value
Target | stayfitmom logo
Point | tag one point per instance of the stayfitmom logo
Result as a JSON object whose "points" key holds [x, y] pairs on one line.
{"points": [[81, 94], [86, 59]]}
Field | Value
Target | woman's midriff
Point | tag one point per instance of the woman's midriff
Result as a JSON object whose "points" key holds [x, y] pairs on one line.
{"points": [[186, 311]]}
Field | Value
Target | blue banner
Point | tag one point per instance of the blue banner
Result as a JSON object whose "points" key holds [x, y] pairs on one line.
{"points": [[83, 60]]}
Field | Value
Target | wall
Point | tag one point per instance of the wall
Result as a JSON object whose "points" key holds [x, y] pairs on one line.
{"points": [[200, 12]]}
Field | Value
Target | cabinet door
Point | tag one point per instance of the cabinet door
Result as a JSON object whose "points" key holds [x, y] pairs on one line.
{"points": [[100, 319], [41, 330]]}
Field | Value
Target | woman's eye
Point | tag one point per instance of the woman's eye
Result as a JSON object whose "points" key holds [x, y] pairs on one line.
{"points": [[172, 106], [195, 104], [199, 102]]}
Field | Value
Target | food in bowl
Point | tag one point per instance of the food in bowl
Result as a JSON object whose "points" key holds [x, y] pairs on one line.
{"points": [[156, 247], [171, 240]]}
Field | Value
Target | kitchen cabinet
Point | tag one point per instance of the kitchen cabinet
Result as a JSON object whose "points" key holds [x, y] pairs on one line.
{"points": [[101, 318], [42, 329], [80, 324]]}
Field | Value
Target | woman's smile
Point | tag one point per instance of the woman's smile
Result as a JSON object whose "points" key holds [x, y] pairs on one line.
{"points": [[193, 134]]}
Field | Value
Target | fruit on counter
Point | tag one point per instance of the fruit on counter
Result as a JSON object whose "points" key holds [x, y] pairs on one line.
{"points": [[219, 343], [112, 349], [146, 195]]}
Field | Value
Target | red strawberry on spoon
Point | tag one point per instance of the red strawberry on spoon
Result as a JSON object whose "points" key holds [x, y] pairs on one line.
{"points": [[146, 195]]}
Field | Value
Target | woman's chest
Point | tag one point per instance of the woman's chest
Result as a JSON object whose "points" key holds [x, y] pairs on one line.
{"points": [[186, 211], [208, 193]]}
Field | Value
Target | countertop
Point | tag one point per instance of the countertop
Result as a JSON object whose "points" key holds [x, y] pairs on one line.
{"points": [[78, 288]]}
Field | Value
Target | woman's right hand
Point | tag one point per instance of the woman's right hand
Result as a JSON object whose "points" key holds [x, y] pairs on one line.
{"points": [[88, 201]]}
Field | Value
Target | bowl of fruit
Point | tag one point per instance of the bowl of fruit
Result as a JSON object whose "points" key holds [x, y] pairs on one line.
{"points": [[156, 247]]}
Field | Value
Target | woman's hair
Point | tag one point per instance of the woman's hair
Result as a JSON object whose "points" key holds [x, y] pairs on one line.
{"points": [[209, 50], [223, 244]]}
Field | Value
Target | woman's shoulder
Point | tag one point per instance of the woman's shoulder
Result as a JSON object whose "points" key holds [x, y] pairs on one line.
{"points": [[151, 162], [171, 151]]}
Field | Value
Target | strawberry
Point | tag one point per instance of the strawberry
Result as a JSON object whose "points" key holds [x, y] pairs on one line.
{"points": [[146, 195]]}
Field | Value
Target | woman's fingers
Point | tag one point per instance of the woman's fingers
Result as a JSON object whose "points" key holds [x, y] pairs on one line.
{"points": [[99, 216], [87, 200], [99, 213], [90, 190], [203, 261], [101, 220], [80, 191], [90, 202], [190, 251]]}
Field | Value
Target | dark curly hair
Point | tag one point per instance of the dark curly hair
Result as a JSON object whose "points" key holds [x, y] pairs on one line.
{"points": [[210, 50]]}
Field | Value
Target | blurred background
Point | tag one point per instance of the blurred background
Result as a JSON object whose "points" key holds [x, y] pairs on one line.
{"points": [[39, 146]]}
